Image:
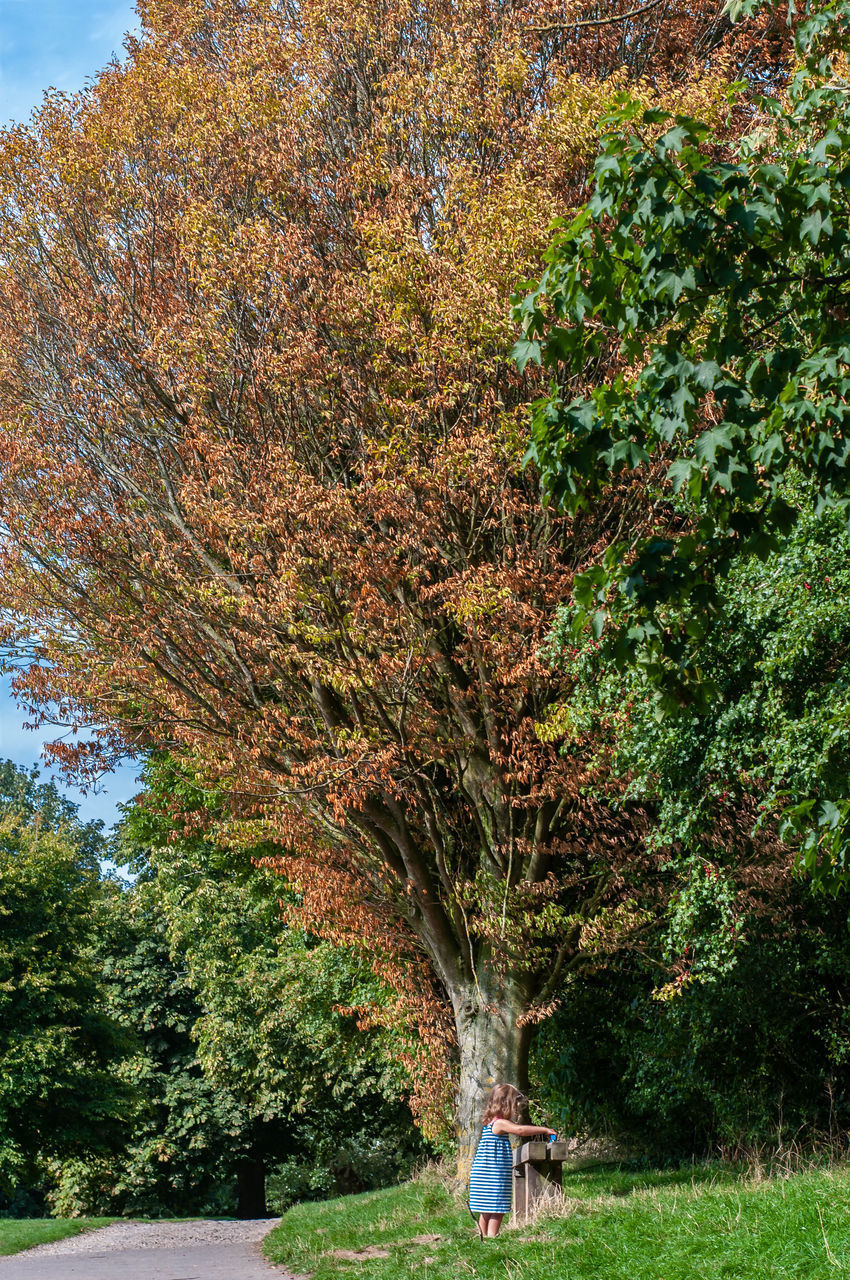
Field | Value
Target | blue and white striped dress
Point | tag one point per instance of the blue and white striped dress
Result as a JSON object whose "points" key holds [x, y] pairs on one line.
{"points": [[491, 1176]]}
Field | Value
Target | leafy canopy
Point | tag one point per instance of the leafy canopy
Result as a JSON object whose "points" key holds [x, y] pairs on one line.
{"points": [[275, 1024], [266, 509], [776, 740], [714, 296]]}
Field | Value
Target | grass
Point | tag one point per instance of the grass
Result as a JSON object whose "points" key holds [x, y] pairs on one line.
{"points": [[22, 1233], [692, 1224]]}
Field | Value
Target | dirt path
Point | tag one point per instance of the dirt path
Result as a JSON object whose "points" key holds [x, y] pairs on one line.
{"points": [[201, 1250]]}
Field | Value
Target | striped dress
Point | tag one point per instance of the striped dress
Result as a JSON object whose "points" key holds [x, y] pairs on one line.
{"points": [[490, 1179]]}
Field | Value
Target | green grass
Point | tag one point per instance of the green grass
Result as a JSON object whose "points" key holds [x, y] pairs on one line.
{"points": [[691, 1224], [22, 1233]]}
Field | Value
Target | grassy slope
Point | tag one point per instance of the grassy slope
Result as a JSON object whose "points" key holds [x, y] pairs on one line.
{"points": [[692, 1225], [22, 1233]]}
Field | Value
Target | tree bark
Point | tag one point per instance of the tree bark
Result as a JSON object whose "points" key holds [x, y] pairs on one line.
{"points": [[493, 1049]]}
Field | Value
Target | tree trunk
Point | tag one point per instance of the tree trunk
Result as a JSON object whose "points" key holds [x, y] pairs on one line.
{"points": [[493, 1050], [251, 1188]]}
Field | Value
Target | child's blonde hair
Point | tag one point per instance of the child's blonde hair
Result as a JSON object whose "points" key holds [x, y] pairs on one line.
{"points": [[503, 1103]]}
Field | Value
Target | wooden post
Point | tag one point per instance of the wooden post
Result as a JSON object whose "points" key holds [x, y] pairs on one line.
{"points": [[537, 1177]]}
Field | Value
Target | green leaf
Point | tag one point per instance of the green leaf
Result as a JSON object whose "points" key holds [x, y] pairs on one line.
{"points": [[709, 442], [681, 472], [525, 350], [811, 226]]}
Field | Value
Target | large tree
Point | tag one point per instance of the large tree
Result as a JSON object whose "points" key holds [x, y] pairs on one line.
{"points": [[262, 494]]}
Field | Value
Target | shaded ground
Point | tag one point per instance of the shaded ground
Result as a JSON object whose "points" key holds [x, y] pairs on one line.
{"points": [[200, 1250]]}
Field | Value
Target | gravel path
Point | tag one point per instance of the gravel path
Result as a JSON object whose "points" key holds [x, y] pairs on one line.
{"points": [[201, 1250]]}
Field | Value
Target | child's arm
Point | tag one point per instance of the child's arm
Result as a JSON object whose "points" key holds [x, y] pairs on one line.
{"points": [[520, 1130]]}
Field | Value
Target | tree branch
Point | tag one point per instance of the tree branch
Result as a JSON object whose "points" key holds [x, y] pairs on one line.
{"points": [[599, 22]]}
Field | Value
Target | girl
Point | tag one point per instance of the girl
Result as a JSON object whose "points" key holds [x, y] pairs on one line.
{"points": [[492, 1169]]}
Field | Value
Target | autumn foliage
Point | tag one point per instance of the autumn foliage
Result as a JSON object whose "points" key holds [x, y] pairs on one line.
{"points": [[261, 462]]}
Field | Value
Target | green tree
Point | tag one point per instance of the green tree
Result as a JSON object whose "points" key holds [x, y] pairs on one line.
{"points": [[754, 1063], [59, 1047], [269, 993], [24, 798], [245, 1064], [738, 1027], [775, 740], [725, 284], [180, 1148]]}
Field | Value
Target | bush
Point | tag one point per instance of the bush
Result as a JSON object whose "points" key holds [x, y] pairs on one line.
{"points": [[759, 1058]]}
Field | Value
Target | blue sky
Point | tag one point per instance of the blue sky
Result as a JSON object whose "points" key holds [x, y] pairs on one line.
{"points": [[56, 44], [24, 747]]}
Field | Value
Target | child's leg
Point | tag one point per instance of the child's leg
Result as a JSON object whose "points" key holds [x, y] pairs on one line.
{"points": [[490, 1223]]}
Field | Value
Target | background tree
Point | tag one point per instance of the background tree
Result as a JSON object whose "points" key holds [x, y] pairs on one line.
{"points": [[262, 493], [731, 1032], [59, 1046], [246, 1078], [752, 1065], [274, 1027], [182, 1150], [167, 1045]]}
